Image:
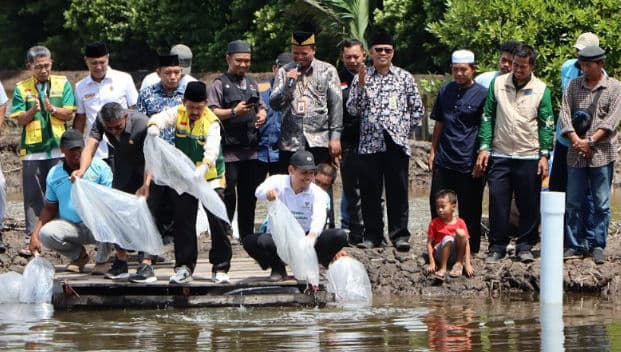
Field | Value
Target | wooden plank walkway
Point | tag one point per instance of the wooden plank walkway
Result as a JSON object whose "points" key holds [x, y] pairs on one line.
{"points": [[249, 286]]}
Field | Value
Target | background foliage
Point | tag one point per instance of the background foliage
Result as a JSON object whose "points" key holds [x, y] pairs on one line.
{"points": [[426, 31]]}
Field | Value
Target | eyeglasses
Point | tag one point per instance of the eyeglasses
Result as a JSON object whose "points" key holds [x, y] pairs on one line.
{"points": [[383, 50]]}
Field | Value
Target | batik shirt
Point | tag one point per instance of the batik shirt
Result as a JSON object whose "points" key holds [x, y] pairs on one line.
{"points": [[154, 99], [312, 109], [387, 103]]}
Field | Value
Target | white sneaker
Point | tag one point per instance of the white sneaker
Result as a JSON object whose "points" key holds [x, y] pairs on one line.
{"points": [[221, 277], [182, 276]]}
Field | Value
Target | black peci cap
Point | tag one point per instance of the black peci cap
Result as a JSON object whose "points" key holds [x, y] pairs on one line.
{"points": [[167, 60], [195, 91], [96, 49]]}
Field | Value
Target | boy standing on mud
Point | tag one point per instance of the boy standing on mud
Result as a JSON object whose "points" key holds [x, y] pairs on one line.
{"points": [[447, 239]]}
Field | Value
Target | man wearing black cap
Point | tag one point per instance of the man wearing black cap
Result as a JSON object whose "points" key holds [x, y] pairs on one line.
{"points": [[308, 93], [60, 228], [269, 133], [102, 85], [308, 204], [591, 153], [234, 98], [198, 136], [185, 61], [386, 99]]}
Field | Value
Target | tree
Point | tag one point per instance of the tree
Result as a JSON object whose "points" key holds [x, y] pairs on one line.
{"points": [[352, 16], [550, 26]]}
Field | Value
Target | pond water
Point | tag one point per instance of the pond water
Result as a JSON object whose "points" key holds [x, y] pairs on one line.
{"points": [[413, 324]]}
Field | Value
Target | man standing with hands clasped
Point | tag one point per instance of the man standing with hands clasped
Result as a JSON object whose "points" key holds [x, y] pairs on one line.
{"points": [[592, 152]]}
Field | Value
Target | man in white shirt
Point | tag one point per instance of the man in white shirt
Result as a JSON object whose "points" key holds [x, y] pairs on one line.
{"points": [[185, 61], [103, 85], [308, 204]]}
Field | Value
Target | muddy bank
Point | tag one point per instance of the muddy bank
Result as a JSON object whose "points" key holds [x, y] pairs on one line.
{"points": [[391, 272]]}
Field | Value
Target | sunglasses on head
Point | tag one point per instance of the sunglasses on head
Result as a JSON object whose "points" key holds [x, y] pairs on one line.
{"points": [[383, 50]]}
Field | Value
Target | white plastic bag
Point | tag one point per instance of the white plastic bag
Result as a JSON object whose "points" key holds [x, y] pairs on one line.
{"points": [[116, 217], [170, 167], [37, 282], [293, 247], [349, 281], [11, 284], [2, 198], [202, 222]]}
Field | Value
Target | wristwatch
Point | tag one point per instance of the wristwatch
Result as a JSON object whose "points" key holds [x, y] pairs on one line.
{"points": [[545, 153], [233, 113], [591, 142]]}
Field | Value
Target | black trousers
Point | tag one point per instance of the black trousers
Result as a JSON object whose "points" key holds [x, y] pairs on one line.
{"points": [[387, 169], [558, 174], [350, 171], [507, 177], [262, 248], [264, 169], [469, 192], [221, 252], [184, 208], [241, 182]]}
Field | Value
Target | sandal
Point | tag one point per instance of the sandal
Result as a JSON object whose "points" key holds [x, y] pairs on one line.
{"points": [[457, 270], [25, 252], [439, 277]]}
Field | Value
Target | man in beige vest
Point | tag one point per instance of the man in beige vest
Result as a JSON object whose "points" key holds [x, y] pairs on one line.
{"points": [[515, 139]]}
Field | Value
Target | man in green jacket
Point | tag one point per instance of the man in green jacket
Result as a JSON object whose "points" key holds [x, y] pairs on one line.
{"points": [[515, 141]]}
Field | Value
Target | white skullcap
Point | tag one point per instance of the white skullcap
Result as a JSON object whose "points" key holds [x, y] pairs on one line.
{"points": [[462, 57]]}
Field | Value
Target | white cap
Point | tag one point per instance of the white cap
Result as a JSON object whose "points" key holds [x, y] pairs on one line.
{"points": [[586, 39], [462, 57], [185, 57]]}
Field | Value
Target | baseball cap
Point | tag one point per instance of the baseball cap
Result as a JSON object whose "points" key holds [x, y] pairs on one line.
{"points": [[185, 57], [303, 160], [72, 139], [586, 39]]}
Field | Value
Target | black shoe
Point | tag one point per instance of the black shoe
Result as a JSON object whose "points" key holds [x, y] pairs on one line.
{"points": [[526, 257], [118, 271], [2, 246], [279, 273], [402, 246], [571, 253], [367, 245], [143, 274], [494, 257], [598, 255]]}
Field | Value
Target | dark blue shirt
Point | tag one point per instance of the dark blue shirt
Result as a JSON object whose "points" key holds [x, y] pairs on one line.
{"points": [[269, 133], [460, 111]]}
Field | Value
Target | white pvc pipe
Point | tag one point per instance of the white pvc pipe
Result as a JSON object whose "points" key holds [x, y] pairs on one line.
{"points": [[551, 321], [551, 279]]}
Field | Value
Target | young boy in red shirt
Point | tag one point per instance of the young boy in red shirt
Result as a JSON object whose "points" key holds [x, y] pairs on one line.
{"points": [[447, 239]]}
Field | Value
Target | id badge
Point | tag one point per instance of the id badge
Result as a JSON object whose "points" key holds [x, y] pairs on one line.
{"points": [[392, 102], [301, 106]]}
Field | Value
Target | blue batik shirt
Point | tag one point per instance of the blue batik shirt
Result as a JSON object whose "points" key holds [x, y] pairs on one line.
{"points": [[269, 133], [155, 99]]}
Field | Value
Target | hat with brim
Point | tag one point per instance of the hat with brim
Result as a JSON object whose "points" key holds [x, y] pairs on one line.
{"points": [[592, 53], [586, 39], [303, 160], [72, 139]]}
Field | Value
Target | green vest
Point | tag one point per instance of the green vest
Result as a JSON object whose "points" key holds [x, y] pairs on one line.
{"points": [[190, 137], [43, 133]]}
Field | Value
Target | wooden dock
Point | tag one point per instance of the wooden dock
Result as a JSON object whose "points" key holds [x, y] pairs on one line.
{"points": [[249, 286]]}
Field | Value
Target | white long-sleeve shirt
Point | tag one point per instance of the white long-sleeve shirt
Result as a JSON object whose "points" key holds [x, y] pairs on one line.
{"points": [[211, 149], [309, 207]]}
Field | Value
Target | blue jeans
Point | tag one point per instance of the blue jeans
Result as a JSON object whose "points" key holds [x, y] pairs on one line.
{"points": [[580, 234]]}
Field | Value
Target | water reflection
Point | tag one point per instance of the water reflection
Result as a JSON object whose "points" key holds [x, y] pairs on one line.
{"points": [[446, 324]]}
